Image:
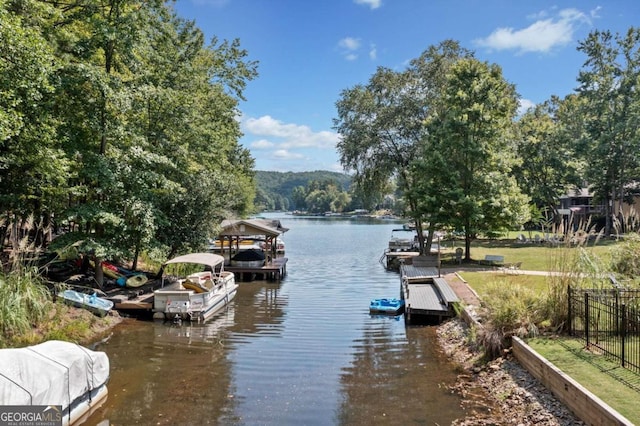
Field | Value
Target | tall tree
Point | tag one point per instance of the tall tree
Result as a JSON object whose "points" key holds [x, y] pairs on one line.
{"points": [[545, 150], [33, 167], [382, 123], [466, 158], [609, 87]]}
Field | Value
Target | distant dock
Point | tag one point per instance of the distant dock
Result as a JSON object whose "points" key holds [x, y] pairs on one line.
{"points": [[427, 297], [271, 271]]}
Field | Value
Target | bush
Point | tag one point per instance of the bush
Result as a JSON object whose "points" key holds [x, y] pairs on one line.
{"points": [[626, 257]]}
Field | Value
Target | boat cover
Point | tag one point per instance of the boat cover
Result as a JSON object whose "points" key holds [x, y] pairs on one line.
{"points": [[51, 373], [249, 255]]}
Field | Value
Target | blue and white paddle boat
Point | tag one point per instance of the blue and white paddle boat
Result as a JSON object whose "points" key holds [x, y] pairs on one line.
{"points": [[90, 302], [386, 306]]}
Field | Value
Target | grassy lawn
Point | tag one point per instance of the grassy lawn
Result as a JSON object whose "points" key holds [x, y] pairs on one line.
{"points": [[534, 257], [603, 378], [479, 281]]}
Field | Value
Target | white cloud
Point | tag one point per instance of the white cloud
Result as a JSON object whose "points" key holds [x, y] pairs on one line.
{"points": [[349, 43], [373, 52], [290, 135], [373, 4], [262, 144], [524, 105], [283, 154], [541, 36], [349, 46]]}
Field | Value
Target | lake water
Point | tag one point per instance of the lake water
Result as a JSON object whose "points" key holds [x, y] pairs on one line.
{"points": [[304, 351]]}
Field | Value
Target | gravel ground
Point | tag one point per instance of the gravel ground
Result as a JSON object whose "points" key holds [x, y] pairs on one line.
{"points": [[500, 392]]}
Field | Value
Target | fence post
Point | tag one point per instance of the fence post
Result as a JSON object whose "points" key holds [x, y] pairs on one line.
{"points": [[569, 311], [586, 317], [617, 313], [624, 332]]}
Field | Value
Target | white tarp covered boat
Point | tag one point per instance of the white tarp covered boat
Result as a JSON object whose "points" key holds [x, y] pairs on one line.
{"points": [[199, 295], [54, 373]]}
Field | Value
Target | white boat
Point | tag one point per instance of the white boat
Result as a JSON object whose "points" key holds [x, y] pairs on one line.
{"points": [[63, 382], [199, 295]]}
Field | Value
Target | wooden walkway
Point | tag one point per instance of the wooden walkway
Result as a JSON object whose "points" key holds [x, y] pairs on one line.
{"points": [[272, 271], [427, 296]]}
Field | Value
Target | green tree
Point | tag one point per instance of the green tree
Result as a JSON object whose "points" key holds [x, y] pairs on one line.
{"points": [[382, 124], [545, 154], [466, 158], [298, 195], [611, 110], [33, 167]]}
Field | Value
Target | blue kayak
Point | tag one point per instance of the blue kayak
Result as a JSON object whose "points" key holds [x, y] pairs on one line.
{"points": [[386, 306]]}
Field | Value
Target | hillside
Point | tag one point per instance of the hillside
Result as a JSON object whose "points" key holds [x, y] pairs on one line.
{"points": [[274, 189]]}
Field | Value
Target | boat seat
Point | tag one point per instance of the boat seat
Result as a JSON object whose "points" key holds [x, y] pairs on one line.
{"points": [[190, 285]]}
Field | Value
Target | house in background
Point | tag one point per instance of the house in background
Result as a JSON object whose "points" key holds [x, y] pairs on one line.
{"points": [[577, 206]]}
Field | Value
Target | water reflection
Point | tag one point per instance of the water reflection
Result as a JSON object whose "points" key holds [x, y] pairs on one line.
{"points": [[302, 351]]}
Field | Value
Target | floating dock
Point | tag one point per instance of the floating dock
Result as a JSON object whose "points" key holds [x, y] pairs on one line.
{"points": [[427, 297]]}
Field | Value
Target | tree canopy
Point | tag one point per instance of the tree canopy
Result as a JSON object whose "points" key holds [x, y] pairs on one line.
{"points": [[445, 130], [119, 122]]}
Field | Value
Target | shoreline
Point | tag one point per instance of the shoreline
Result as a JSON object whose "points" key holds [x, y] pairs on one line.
{"points": [[500, 391]]}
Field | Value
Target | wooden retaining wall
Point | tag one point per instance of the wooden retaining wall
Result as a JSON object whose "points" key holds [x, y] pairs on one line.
{"points": [[585, 405]]}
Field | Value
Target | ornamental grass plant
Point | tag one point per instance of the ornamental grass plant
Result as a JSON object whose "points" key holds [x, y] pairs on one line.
{"points": [[25, 301]]}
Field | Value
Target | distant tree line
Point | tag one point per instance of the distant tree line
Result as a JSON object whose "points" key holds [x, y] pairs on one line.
{"points": [[118, 122], [282, 190], [447, 133], [320, 191]]}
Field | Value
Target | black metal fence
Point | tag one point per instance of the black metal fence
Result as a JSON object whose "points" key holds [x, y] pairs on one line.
{"points": [[609, 322]]}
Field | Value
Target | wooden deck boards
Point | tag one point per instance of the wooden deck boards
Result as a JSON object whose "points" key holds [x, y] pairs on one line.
{"points": [[426, 295]]}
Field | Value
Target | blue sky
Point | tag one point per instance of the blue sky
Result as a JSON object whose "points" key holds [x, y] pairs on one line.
{"points": [[309, 51]]}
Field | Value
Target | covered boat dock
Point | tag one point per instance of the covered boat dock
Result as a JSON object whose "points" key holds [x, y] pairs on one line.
{"points": [[264, 231]]}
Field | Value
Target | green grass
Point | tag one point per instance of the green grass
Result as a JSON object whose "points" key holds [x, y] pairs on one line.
{"points": [[534, 257], [480, 281], [605, 379]]}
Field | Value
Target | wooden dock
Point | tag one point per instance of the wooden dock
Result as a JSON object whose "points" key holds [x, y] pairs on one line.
{"points": [[427, 297], [272, 271]]}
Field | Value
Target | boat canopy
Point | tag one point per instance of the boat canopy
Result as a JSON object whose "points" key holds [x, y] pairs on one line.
{"points": [[208, 259]]}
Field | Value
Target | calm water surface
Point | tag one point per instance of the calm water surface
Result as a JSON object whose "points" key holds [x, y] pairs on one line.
{"points": [[304, 351]]}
